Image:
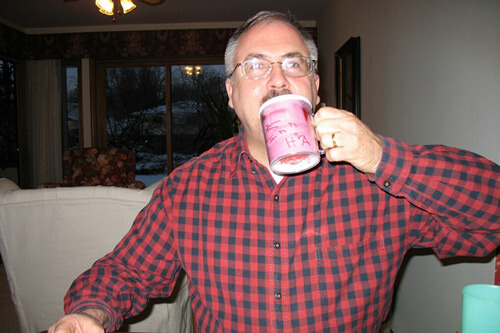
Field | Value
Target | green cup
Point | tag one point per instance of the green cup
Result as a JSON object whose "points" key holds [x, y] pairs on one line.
{"points": [[481, 309]]}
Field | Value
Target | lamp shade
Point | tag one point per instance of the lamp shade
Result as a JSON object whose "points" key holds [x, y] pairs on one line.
{"points": [[105, 6], [127, 6]]}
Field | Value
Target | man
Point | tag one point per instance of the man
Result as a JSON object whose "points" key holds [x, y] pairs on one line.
{"points": [[314, 252]]}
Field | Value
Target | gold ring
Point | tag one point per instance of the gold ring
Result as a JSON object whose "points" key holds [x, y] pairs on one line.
{"points": [[334, 142]]}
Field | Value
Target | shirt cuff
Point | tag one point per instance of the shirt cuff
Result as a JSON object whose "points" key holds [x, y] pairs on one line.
{"points": [[96, 304], [394, 167]]}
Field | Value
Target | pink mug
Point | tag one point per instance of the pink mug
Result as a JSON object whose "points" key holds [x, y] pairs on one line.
{"points": [[290, 137]]}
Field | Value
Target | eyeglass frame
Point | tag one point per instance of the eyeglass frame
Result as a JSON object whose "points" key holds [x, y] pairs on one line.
{"points": [[270, 68]]}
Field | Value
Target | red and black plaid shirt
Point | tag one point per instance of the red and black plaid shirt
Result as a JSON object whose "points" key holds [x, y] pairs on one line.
{"points": [[318, 252]]}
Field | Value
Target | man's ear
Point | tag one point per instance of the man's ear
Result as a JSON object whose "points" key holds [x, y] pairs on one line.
{"points": [[316, 78], [229, 90]]}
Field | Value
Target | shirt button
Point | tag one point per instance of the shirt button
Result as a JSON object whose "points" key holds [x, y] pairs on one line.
{"points": [[387, 183], [277, 295], [254, 171], [277, 245], [276, 197]]}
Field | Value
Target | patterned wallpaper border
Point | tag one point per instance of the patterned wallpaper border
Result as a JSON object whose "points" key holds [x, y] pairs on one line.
{"points": [[116, 45], [113, 45]]}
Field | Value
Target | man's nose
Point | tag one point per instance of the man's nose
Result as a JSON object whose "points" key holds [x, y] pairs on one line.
{"points": [[277, 78]]}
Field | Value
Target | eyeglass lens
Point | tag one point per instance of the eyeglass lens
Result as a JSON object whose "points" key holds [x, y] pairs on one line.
{"points": [[257, 68]]}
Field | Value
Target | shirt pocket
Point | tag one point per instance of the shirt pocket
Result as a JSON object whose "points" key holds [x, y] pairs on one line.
{"points": [[350, 279]]}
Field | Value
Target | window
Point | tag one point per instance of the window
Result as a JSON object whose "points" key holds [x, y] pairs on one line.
{"points": [[70, 107], [200, 114], [136, 116], [166, 112]]}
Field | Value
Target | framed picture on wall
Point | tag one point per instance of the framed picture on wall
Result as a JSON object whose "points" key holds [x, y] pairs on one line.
{"points": [[347, 76]]}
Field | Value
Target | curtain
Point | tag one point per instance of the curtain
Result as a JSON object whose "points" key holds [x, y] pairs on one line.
{"points": [[42, 116]]}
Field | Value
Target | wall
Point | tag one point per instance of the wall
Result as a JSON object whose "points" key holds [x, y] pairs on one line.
{"points": [[430, 74]]}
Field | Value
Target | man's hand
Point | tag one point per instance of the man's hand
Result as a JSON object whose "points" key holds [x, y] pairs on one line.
{"points": [[87, 321], [346, 139]]}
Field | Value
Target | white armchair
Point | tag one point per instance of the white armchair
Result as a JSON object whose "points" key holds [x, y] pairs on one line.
{"points": [[49, 236]]}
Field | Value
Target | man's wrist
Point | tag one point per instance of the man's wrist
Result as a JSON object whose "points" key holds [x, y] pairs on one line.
{"points": [[99, 315]]}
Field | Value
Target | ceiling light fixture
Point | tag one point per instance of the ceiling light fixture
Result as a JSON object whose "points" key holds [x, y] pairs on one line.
{"points": [[110, 7]]}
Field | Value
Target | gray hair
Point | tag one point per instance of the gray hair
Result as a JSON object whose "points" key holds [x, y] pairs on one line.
{"points": [[267, 16]]}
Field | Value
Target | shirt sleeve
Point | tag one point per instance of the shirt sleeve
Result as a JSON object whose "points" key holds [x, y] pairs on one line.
{"points": [[143, 265], [455, 193]]}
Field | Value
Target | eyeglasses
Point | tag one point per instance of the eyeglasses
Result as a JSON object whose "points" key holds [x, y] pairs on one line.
{"points": [[257, 68]]}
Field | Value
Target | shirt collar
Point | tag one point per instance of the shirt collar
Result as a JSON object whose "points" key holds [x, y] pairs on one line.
{"points": [[241, 149]]}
